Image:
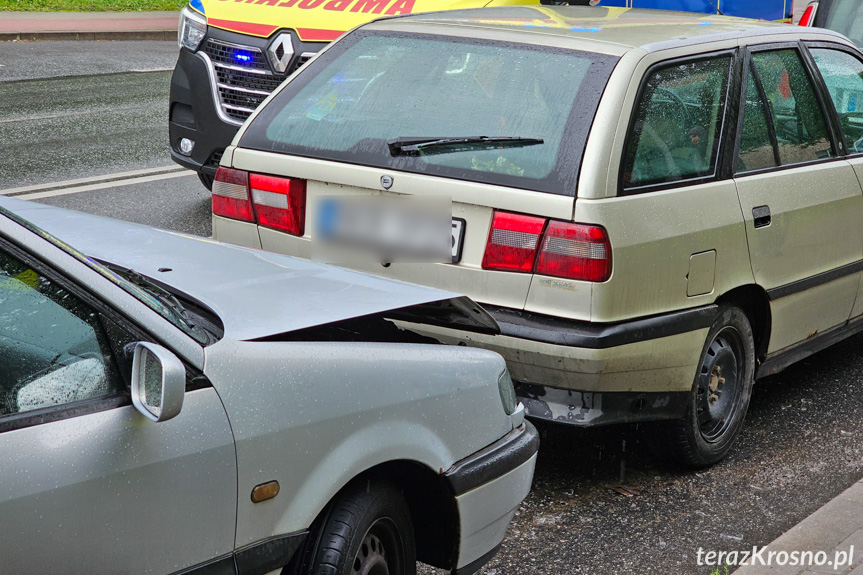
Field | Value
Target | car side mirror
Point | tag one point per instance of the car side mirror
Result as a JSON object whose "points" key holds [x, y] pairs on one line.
{"points": [[158, 382]]}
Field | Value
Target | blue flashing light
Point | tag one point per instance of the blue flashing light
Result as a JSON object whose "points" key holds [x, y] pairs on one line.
{"points": [[197, 5], [576, 29], [705, 23], [244, 58]]}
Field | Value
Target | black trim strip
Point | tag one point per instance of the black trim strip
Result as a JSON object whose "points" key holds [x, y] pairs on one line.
{"points": [[728, 150], [223, 565], [494, 461], [814, 281], [573, 333], [63, 411], [779, 360], [477, 564], [269, 554]]}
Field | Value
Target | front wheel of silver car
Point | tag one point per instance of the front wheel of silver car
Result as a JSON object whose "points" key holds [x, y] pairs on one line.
{"points": [[368, 531], [720, 393]]}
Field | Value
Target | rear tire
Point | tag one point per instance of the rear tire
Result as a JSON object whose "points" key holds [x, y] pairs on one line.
{"points": [[720, 393], [367, 532]]}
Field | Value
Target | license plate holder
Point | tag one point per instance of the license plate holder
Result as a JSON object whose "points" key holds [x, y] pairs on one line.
{"points": [[458, 226]]}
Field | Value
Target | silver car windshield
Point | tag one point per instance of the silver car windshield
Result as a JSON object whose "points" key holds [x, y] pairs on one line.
{"points": [[504, 113]]}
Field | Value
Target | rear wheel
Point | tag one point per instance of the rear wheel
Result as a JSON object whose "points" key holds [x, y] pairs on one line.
{"points": [[720, 393], [367, 532]]}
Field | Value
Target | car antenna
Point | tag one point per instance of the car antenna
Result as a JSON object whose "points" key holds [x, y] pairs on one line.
{"points": [[715, 7]]}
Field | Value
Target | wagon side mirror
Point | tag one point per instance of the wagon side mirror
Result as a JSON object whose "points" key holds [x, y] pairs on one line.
{"points": [[158, 382]]}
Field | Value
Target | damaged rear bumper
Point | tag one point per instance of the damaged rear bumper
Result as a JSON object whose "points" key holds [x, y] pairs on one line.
{"points": [[587, 374], [590, 408]]}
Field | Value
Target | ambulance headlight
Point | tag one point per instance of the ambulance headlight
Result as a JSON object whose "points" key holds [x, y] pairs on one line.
{"points": [[193, 27]]}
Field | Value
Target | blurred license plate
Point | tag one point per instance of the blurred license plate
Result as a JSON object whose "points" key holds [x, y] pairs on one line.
{"points": [[405, 229], [457, 239]]}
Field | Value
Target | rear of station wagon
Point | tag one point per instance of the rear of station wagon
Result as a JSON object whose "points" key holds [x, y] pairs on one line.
{"points": [[657, 208]]}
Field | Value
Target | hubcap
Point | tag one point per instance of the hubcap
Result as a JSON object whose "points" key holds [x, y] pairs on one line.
{"points": [[719, 384], [371, 557]]}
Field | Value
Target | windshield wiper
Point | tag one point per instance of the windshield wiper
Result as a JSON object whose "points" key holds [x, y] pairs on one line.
{"points": [[166, 298], [408, 146]]}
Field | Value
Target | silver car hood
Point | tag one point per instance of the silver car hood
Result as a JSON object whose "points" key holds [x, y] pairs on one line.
{"points": [[255, 293]]}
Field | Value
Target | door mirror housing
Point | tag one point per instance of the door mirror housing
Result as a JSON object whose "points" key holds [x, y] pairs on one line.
{"points": [[158, 382]]}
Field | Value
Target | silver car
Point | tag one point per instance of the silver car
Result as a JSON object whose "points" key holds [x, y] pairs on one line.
{"points": [[171, 404]]}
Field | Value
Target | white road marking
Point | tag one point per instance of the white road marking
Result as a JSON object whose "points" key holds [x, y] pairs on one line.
{"points": [[151, 70], [96, 183]]}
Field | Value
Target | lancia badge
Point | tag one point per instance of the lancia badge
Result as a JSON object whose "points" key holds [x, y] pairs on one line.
{"points": [[387, 181]]}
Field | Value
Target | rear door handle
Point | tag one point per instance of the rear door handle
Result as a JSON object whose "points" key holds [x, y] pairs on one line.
{"points": [[761, 216]]}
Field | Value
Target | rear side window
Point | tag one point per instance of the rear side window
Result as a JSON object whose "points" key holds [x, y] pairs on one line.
{"points": [[678, 120], [371, 89], [795, 118], [843, 75]]}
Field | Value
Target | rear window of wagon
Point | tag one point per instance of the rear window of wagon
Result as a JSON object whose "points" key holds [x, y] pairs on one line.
{"points": [[371, 88]]}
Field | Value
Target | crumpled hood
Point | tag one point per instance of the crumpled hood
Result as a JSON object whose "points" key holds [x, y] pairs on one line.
{"points": [[313, 20], [255, 293]]}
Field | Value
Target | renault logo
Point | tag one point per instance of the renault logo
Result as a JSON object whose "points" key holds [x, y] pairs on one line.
{"points": [[387, 182], [280, 52]]}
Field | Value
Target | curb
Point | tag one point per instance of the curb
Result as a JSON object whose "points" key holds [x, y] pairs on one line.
{"points": [[58, 36], [836, 526]]}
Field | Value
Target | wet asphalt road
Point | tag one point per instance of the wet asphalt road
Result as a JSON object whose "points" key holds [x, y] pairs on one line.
{"points": [[71, 110], [802, 442]]}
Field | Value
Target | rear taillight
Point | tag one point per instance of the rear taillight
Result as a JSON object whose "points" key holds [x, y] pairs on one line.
{"points": [[806, 19], [231, 195], [280, 203], [575, 251], [519, 243], [512, 242]]}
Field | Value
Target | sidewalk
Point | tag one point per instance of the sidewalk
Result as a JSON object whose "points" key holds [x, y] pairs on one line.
{"points": [[26, 26], [833, 529]]}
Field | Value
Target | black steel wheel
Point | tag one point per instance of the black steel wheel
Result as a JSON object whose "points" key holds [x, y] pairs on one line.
{"points": [[368, 531], [720, 393]]}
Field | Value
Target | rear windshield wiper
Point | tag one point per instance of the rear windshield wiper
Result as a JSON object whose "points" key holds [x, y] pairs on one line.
{"points": [[425, 146]]}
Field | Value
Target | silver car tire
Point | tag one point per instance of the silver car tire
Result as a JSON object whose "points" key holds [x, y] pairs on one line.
{"points": [[368, 531]]}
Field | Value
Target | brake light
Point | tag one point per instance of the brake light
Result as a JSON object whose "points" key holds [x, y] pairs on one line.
{"points": [[231, 195], [806, 19], [280, 203], [575, 251], [520, 243], [512, 242]]}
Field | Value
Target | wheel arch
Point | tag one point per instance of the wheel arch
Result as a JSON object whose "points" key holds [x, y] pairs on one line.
{"points": [[432, 506], [753, 301]]}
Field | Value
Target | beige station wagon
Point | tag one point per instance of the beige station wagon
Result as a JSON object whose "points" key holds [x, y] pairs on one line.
{"points": [[657, 208]]}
